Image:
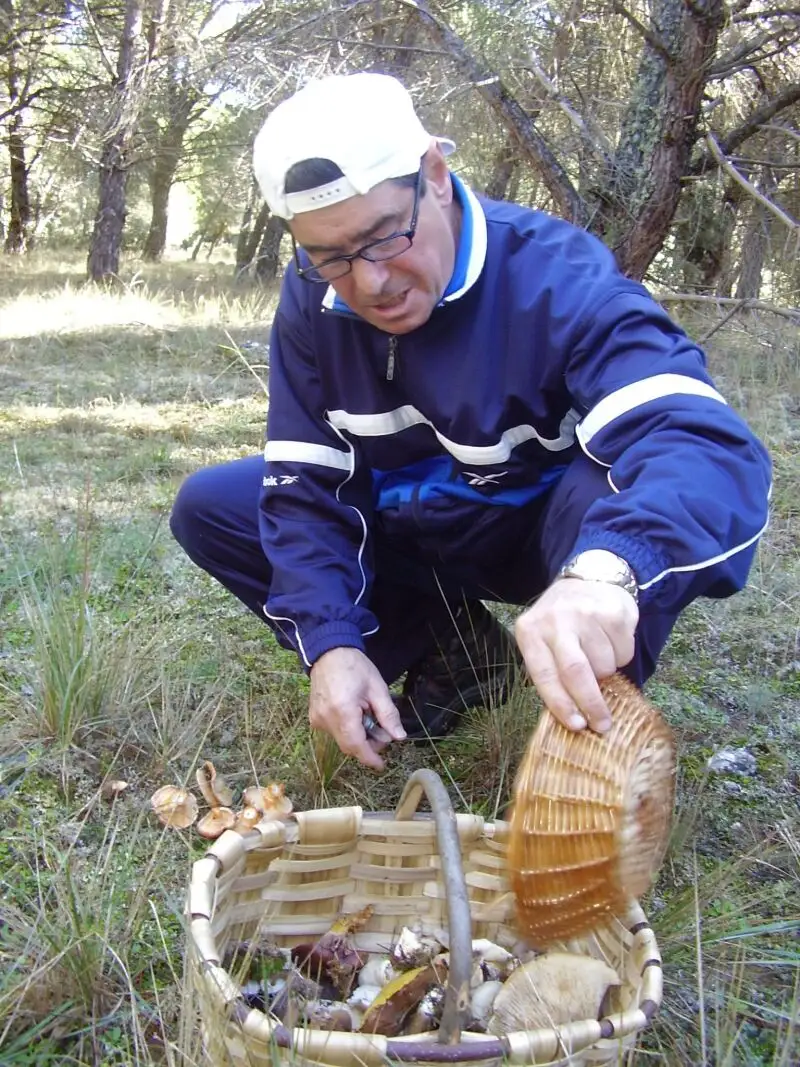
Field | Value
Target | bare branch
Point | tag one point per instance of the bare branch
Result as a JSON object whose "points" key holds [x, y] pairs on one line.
{"points": [[748, 186], [570, 204], [375, 45], [754, 121], [758, 16], [793, 314], [108, 61], [594, 138], [649, 35]]}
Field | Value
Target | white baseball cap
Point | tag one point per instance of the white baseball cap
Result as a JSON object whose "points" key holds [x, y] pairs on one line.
{"points": [[365, 123]]}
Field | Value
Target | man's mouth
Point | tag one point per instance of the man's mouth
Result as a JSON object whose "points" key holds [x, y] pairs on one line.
{"points": [[392, 302]]}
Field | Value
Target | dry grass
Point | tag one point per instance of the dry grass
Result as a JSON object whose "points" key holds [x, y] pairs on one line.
{"points": [[119, 659]]}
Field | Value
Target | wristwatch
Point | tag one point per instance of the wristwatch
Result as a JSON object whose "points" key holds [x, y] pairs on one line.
{"points": [[599, 565]]}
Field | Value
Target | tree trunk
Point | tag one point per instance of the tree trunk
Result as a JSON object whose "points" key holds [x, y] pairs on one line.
{"points": [[18, 234], [168, 155], [633, 203], [638, 197], [754, 242], [103, 262], [505, 163], [254, 245], [268, 258], [704, 235]]}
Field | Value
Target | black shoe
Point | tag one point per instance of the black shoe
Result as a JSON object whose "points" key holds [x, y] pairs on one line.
{"points": [[471, 664]]}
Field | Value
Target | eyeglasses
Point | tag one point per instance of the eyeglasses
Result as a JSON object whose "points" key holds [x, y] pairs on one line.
{"points": [[374, 252]]}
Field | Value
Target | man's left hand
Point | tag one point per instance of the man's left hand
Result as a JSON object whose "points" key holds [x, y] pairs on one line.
{"points": [[576, 633]]}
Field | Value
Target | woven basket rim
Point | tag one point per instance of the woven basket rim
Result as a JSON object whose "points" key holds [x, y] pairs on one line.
{"points": [[471, 1047]]}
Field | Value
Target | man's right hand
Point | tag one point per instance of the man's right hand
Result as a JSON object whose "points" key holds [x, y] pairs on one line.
{"points": [[344, 685]]}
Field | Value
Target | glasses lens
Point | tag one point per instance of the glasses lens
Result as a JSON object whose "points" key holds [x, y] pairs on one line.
{"points": [[327, 272], [388, 249]]}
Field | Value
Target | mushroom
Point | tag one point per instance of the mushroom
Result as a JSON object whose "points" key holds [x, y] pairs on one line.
{"points": [[412, 950], [247, 819], [362, 996], [397, 1000], [216, 822], [215, 792], [496, 963], [174, 806], [553, 989], [481, 1002], [328, 1015], [428, 1013], [270, 800], [112, 788], [377, 971]]}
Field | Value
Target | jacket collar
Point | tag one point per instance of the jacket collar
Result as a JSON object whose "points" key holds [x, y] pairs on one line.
{"points": [[470, 254]]}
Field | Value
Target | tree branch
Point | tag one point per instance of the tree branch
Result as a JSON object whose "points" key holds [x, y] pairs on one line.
{"points": [[757, 118], [748, 186], [652, 38], [570, 204], [793, 314], [108, 62], [594, 138], [757, 16]]}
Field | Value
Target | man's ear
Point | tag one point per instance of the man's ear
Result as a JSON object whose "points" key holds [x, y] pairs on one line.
{"points": [[437, 174]]}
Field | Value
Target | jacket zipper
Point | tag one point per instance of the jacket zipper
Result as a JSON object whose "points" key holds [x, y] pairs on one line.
{"points": [[390, 362]]}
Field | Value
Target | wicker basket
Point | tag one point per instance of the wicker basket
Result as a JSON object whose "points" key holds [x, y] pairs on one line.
{"points": [[290, 881], [591, 817]]}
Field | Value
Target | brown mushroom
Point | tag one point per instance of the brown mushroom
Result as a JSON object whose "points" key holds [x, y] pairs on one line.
{"points": [[270, 800], [215, 792], [397, 1000], [174, 806], [216, 822], [246, 819]]}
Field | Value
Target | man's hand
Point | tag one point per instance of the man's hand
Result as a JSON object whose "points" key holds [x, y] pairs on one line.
{"points": [[576, 633], [345, 684]]}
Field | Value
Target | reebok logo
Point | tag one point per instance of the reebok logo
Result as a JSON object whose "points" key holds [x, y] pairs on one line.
{"points": [[285, 479], [480, 480]]}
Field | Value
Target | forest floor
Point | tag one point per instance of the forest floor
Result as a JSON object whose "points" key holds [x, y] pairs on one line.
{"points": [[119, 660]]}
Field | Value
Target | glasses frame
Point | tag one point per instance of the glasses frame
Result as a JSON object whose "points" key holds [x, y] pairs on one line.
{"points": [[308, 273]]}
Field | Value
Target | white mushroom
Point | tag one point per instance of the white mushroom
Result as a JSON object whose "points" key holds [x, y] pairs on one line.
{"points": [[481, 1001], [553, 989], [362, 996], [414, 950], [377, 971]]}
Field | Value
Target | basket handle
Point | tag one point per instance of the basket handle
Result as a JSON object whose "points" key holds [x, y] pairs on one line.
{"points": [[456, 1001]]}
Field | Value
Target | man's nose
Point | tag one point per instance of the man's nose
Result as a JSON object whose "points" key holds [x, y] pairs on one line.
{"points": [[370, 278]]}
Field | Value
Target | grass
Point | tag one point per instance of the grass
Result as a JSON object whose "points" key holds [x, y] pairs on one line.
{"points": [[120, 660]]}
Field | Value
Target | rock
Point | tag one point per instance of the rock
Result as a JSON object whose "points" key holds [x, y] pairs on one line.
{"points": [[734, 788], [733, 761]]}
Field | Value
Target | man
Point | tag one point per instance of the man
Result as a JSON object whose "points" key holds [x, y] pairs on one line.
{"points": [[468, 402]]}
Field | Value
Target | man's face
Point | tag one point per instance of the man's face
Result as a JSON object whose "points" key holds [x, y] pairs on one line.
{"points": [[396, 295]]}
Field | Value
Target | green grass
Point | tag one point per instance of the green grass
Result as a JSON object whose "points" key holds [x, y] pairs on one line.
{"points": [[120, 660]]}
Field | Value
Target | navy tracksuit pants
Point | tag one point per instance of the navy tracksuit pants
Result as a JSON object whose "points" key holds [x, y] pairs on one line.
{"points": [[215, 519]]}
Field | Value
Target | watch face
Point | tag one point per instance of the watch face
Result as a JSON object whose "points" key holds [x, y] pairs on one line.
{"points": [[598, 565]]}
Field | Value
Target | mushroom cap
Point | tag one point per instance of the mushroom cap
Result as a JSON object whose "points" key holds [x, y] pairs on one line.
{"points": [[216, 822], [215, 791], [174, 806], [247, 819], [551, 990], [269, 799]]}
